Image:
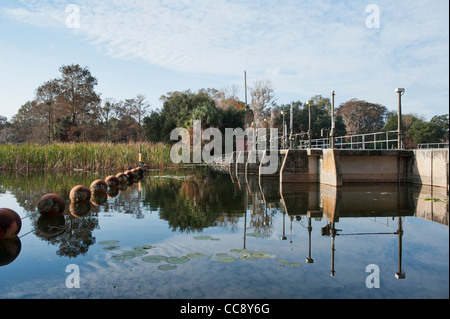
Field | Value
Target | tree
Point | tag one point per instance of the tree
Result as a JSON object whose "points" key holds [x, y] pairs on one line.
{"points": [[362, 117], [262, 97], [46, 106], [137, 108], [442, 122], [77, 98]]}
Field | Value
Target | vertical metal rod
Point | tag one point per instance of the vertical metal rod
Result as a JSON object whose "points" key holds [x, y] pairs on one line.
{"points": [[333, 124], [400, 146], [245, 84], [292, 126]]}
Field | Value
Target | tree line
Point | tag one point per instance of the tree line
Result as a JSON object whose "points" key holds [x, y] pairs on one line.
{"points": [[68, 109]]}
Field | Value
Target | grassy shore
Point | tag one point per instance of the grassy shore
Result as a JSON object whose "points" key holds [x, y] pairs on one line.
{"points": [[83, 156]]}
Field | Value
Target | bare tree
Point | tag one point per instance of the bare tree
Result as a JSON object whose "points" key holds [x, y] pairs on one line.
{"points": [[262, 96]]}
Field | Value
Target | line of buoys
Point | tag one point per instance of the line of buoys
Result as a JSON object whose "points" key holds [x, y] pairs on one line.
{"points": [[54, 205]]}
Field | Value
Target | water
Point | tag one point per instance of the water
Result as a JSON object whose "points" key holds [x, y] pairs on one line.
{"points": [[233, 238]]}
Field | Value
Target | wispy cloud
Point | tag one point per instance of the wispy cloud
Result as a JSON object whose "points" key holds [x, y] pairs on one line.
{"points": [[302, 46]]}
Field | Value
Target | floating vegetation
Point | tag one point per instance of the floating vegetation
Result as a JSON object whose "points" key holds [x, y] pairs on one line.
{"points": [[257, 235], [129, 254], [262, 255], [195, 255], [436, 200], [226, 259], [109, 242], [167, 267], [280, 260], [221, 254], [154, 259], [241, 251], [291, 264], [205, 237], [177, 260], [246, 257], [111, 247], [145, 247]]}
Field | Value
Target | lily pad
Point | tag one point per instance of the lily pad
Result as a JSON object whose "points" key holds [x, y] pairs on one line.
{"points": [[226, 259], [205, 237], [195, 255], [109, 242], [221, 254], [280, 260], [291, 264], [129, 255], [146, 247], [202, 237], [257, 235], [111, 247], [154, 259], [262, 255], [177, 260], [167, 267], [241, 251], [246, 257]]}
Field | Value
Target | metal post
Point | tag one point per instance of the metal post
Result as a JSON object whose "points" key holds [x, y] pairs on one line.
{"points": [[400, 92], [292, 127], [245, 84], [333, 124]]}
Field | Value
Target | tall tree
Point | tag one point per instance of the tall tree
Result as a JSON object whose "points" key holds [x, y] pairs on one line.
{"points": [[262, 97], [78, 98], [137, 108], [47, 107], [363, 117]]}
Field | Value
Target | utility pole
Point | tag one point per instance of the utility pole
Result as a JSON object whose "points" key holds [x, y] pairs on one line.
{"points": [[245, 84], [292, 127], [400, 92], [333, 122]]}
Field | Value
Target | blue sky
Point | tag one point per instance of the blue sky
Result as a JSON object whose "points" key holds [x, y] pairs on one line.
{"points": [[304, 47]]}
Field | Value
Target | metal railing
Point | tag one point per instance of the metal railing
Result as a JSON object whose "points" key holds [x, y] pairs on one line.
{"points": [[369, 141], [432, 145]]}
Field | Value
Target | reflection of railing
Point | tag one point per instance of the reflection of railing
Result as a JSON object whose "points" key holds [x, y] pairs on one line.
{"points": [[432, 145]]}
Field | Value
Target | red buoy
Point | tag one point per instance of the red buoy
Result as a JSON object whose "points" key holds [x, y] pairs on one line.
{"points": [[51, 205], [10, 223]]}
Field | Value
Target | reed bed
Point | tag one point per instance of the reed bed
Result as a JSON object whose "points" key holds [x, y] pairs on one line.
{"points": [[82, 156]]}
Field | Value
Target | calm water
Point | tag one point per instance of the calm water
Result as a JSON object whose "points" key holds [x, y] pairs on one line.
{"points": [[224, 237]]}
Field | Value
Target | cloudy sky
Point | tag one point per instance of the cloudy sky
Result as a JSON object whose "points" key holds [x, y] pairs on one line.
{"points": [[360, 49]]}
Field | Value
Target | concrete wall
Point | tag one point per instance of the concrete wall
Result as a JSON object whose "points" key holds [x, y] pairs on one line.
{"points": [[429, 167], [300, 166], [363, 166]]}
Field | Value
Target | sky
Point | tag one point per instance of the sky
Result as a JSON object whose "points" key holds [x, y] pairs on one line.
{"points": [[359, 49]]}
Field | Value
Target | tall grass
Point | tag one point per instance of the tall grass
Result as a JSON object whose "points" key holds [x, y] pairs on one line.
{"points": [[86, 156]]}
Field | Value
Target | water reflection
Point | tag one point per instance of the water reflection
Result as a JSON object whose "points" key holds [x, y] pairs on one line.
{"points": [[191, 201]]}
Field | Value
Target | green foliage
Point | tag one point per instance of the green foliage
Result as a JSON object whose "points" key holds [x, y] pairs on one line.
{"points": [[417, 130]]}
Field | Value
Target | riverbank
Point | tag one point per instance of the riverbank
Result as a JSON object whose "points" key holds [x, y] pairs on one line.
{"points": [[64, 157]]}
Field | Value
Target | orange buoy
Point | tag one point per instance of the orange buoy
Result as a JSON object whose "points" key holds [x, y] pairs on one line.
{"points": [[112, 181], [122, 177], [80, 193], [140, 171], [129, 174], [51, 205], [10, 223], [99, 186]]}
